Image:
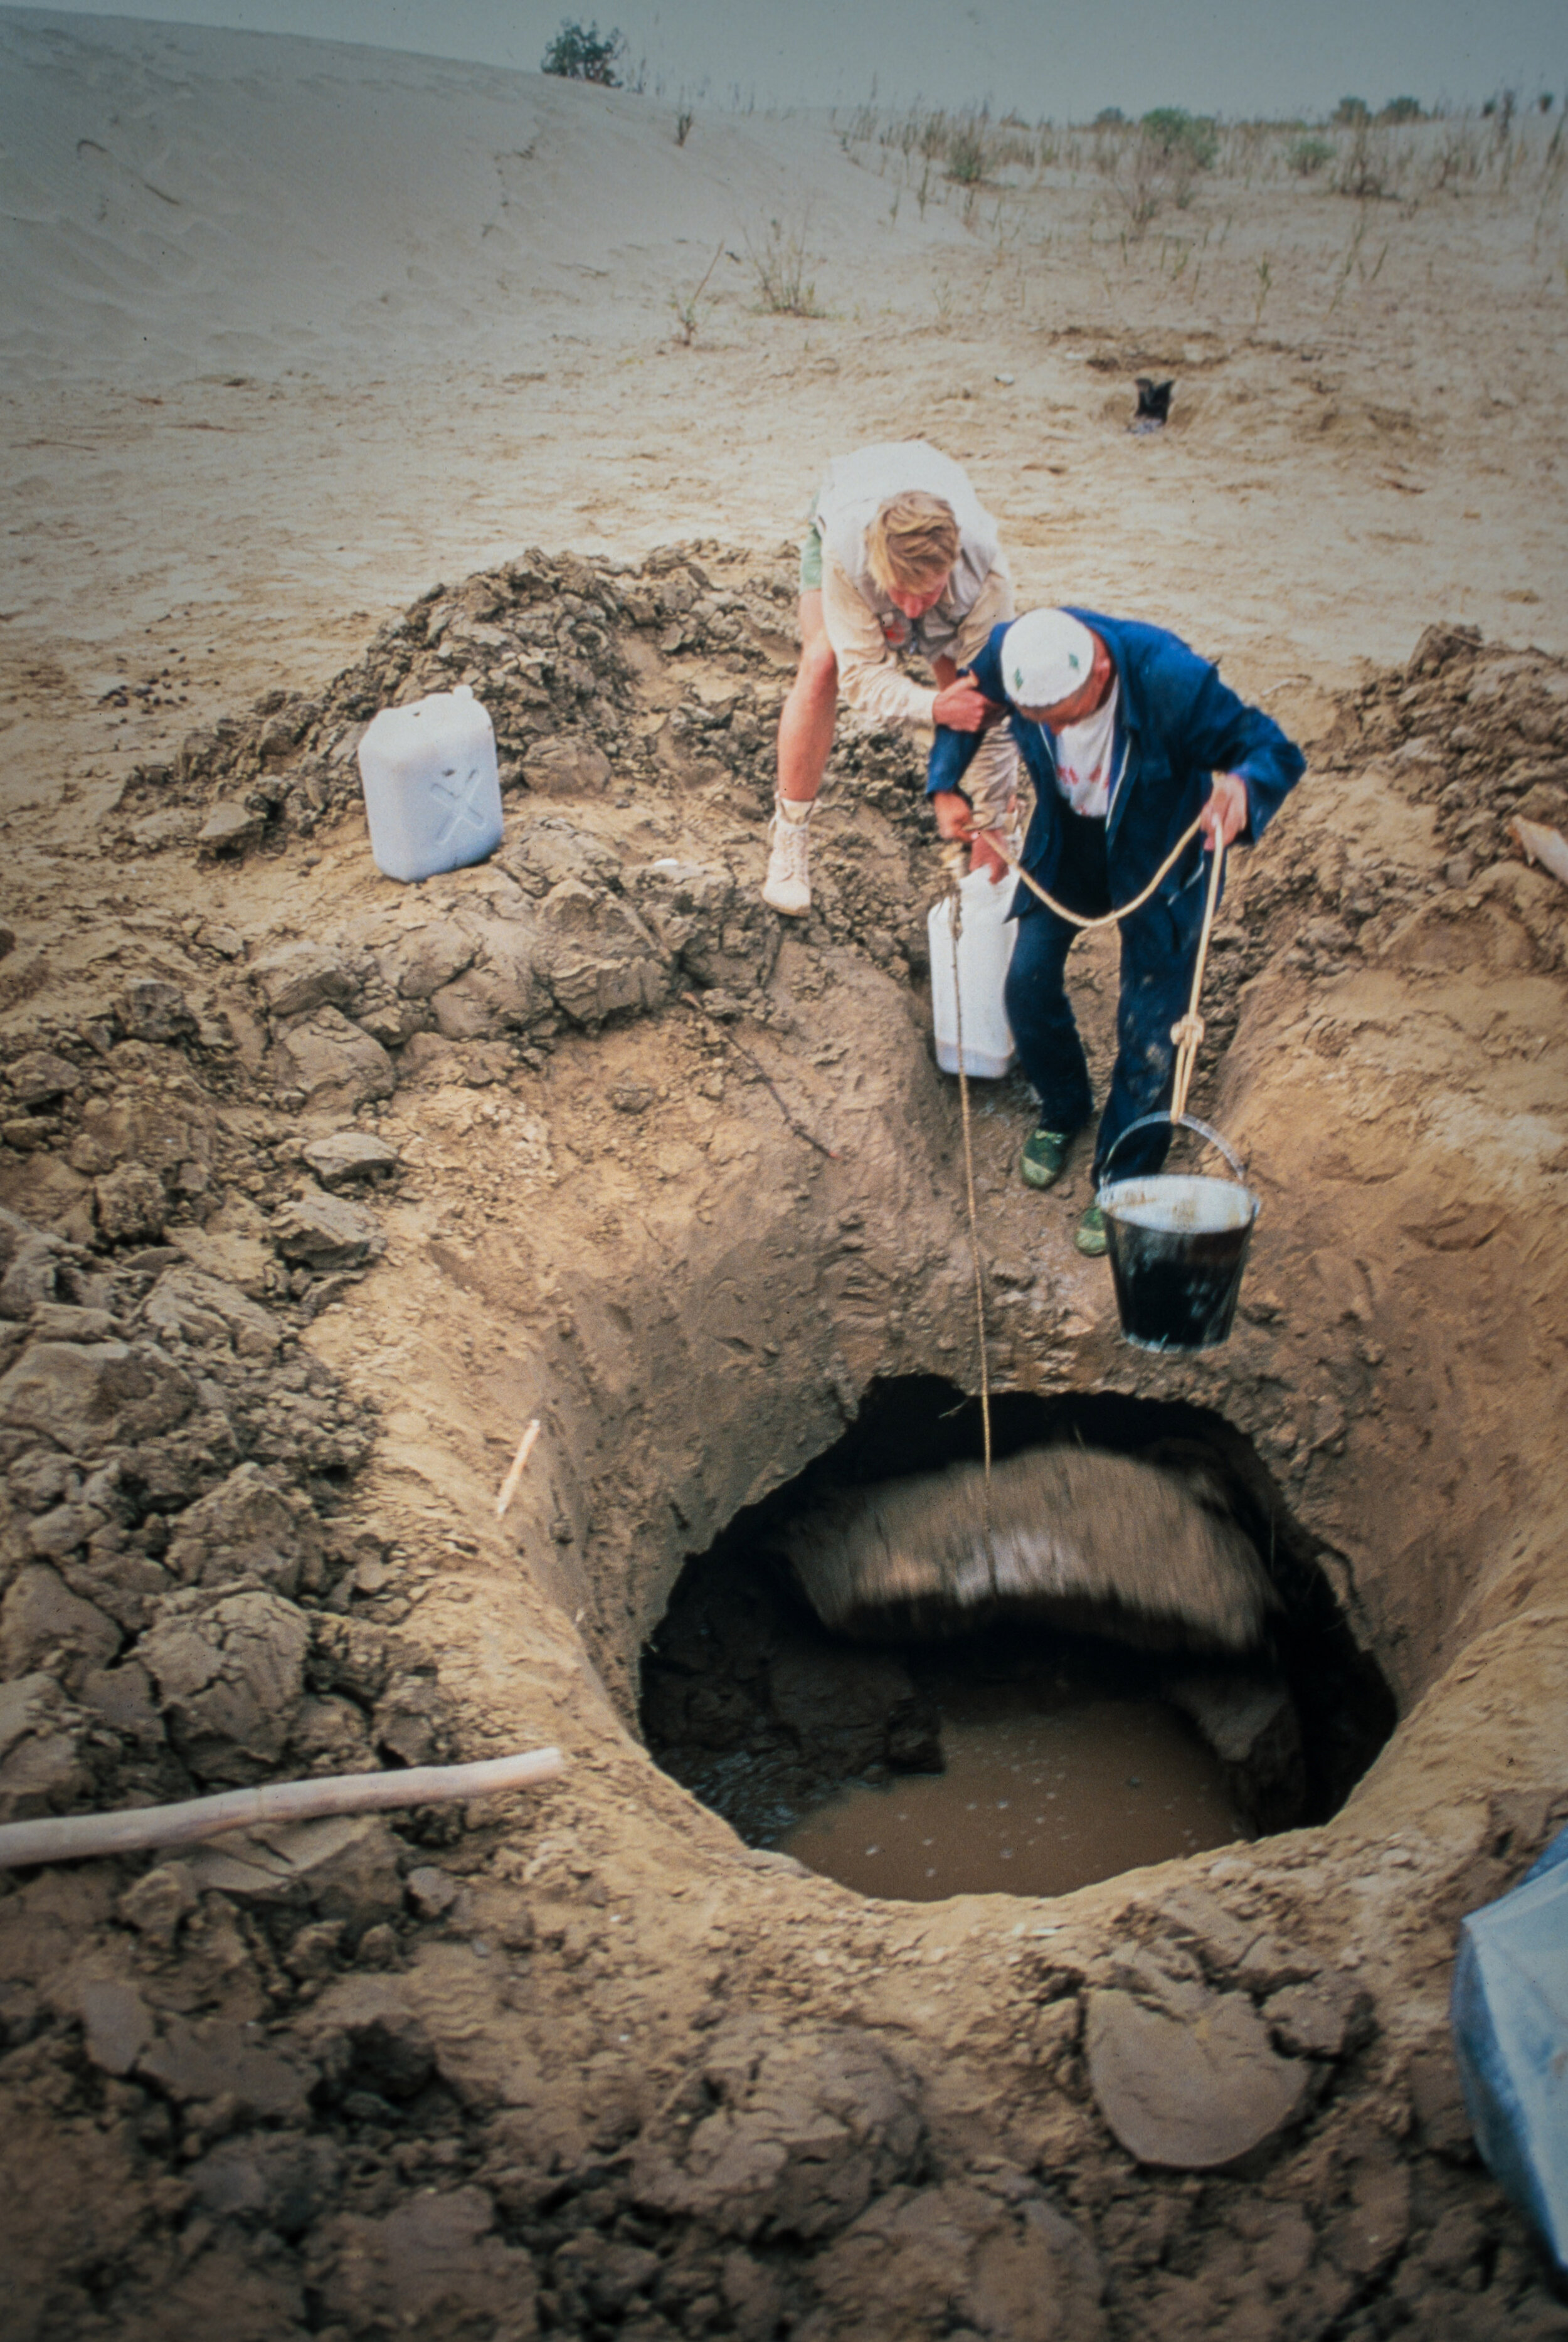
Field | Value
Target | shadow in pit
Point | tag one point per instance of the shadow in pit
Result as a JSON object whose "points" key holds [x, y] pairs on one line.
{"points": [[766, 1715]]}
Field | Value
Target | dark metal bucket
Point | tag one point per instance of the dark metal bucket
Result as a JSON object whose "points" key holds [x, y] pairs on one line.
{"points": [[1178, 1246]]}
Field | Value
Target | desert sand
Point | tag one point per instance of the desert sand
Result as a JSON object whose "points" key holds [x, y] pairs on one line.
{"points": [[333, 376]]}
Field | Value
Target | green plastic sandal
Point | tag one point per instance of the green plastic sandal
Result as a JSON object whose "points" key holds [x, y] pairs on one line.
{"points": [[1043, 1158], [1091, 1239]]}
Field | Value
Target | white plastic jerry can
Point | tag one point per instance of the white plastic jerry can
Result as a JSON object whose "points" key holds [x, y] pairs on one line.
{"points": [[431, 793], [985, 949]]}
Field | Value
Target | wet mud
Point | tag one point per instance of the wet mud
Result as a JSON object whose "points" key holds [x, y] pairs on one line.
{"points": [[1051, 1779]]}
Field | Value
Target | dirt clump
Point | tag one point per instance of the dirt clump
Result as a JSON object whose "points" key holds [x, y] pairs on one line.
{"points": [[1088, 1542]]}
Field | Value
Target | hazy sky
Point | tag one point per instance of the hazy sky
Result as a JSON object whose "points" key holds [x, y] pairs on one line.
{"points": [[1041, 57]]}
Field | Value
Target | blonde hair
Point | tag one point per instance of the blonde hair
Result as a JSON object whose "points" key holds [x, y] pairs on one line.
{"points": [[913, 536]]}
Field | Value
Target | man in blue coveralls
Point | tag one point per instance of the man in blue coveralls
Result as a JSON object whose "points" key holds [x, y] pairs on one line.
{"points": [[1128, 737]]}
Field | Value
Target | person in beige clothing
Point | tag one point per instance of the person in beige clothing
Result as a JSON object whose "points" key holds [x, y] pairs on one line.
{"points": [[901, 555]]}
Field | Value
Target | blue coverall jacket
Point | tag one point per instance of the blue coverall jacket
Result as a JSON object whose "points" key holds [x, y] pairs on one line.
{"points": [[1177, 724]]}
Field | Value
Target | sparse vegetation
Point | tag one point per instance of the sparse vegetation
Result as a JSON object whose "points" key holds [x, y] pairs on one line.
{"points": [[1178, 137], [688, 313], [1161, 164], [582, 53], [968, 146], [974, 166], [966, 155], [1365, 166], [1458, 156], [685, 117], [1358, 237], [779, 265], [1138, 185]]}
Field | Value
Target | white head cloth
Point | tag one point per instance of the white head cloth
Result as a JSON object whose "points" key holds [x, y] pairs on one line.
{"points": [[1046, 657]]}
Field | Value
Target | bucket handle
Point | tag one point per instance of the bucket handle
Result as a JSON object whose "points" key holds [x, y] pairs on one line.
{"points": [[1186, 1121]]}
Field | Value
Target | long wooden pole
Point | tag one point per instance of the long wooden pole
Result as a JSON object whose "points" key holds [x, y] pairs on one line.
{"points": [[77, 1837]]}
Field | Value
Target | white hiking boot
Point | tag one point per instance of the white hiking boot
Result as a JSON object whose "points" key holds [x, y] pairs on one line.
{"points": [[787, 886]]}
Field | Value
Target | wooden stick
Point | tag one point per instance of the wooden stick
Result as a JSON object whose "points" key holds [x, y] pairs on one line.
{"points": [[77, 1837], [519, 1461]]}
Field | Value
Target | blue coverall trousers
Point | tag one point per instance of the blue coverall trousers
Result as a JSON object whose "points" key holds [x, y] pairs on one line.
{"points": [[1157, 961]]}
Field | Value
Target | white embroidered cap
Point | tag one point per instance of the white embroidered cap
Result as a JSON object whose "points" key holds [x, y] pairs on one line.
{"points": [[1046, 657]]}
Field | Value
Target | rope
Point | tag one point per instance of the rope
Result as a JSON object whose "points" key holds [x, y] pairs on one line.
{"points": [[994, 839], [955, 929], [1187, 1033]]}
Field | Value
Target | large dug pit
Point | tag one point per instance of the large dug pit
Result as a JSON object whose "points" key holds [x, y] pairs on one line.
{"points": [[319, 1192], [910, 1747]]}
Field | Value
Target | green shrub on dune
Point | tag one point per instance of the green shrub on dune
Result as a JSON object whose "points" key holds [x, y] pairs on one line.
{"points": [[1178, 135]]}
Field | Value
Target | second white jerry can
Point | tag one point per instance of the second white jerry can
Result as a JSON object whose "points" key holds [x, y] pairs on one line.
{"points": [[984, 950]]}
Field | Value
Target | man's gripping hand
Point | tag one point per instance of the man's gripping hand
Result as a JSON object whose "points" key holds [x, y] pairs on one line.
{"points": [[963, 706], [955, 826], [1226, 814]]}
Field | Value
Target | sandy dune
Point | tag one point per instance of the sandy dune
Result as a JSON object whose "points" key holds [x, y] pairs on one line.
{"points": [[291, 329]]}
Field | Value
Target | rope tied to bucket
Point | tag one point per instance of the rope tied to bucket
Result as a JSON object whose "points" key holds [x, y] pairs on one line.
{"points": [[1187, 1033]]}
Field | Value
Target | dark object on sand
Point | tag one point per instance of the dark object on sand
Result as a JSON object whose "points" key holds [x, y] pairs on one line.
{"points": [[1083, 1541], [1153, 405]]}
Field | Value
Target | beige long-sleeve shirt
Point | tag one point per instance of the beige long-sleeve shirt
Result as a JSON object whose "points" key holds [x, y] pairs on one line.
{"points": [[876, 687]]}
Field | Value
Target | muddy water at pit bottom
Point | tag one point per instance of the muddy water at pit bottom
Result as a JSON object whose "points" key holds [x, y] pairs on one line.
{"points": [[1036, 1799]]}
